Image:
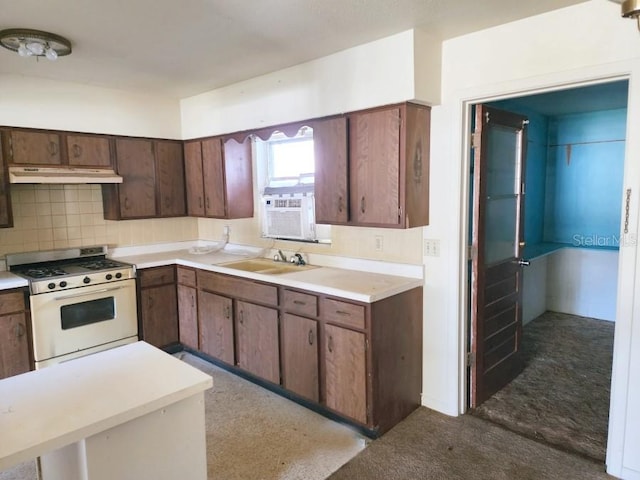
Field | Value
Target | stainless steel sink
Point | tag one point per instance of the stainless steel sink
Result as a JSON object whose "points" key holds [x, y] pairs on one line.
{"points": [[266, 266]]}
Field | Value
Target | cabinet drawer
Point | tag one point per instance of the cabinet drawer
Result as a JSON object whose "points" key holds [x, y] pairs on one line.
{"points": [[186, 277], [11, 302], [300, 303], [157, 276], [238, 288], [344, 313]]}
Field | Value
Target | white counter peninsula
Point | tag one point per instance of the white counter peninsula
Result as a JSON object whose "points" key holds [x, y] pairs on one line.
{"points": [[132, 412]]}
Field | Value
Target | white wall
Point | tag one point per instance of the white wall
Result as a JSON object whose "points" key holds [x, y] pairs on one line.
{"points": [[373, 74], [583, 282], [41, 103], [583, 43]]}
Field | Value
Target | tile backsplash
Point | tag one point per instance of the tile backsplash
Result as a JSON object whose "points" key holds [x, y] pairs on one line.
{"points": [[59, 216]]}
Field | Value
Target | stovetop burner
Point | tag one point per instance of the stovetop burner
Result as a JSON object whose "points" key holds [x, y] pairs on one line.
{"points": [[42, 272]]}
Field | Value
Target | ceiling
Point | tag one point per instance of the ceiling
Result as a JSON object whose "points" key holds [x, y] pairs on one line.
{"points": [[181, 48]]}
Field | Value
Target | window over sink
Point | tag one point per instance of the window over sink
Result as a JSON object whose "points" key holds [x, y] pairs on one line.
{"points": [[286, 172]]}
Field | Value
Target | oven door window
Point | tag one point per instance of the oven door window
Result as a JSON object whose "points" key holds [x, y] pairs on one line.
{"points": [[86, 313]]}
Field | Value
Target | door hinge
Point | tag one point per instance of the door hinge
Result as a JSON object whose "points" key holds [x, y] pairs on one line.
{"points": [[475, 140], [471, 359], [471, 252], [400, 214], [366, 344]]}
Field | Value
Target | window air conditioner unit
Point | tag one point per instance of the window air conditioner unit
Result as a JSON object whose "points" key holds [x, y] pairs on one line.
{"points": [[289, 215]]}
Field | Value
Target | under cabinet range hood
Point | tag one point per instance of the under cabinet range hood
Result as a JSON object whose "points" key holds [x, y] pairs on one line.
{"points": [[62, 175]]}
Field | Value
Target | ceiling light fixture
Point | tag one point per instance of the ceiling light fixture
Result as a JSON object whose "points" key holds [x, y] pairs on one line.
{"points": [[631, 9], [35, 43]]}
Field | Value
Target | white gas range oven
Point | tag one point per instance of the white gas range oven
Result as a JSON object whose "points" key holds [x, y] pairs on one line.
{"points": [[80, 302]]}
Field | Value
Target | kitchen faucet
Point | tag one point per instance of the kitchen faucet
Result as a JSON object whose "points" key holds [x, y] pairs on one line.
{"points": [[297, 259]]}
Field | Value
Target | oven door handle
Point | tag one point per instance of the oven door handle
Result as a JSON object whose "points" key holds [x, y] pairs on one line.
{"points": [[66, 297]]}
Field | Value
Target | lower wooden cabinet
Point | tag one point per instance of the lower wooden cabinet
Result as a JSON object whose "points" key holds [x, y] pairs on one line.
{"points": [[257, 339], [358, 360], [158, 306], [216, 326], [300, 372], [188, 316], [346, 372], [14, 338]]}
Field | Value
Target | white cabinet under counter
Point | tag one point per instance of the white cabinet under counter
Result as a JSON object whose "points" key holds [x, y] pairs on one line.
{"points": [[131, 412]]}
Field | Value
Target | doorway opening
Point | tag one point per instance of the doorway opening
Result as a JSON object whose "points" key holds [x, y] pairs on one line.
{"points": [[571, 218]]}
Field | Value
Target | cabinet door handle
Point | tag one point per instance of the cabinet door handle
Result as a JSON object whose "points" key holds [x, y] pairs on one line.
{"points": [[299, 302], [200, 202], [340, 204], [126, 203], [241, 317], [362, 205], [77, 150], [150, 301], [330, 344], [19, 330], [208, 203], [227, 313], [343, 313], [310, 337], [53, 148]]}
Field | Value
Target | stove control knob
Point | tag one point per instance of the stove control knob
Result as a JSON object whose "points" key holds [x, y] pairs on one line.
{"points": [[63, 284], [51, 286], [86, 280], [118, 275], [109, 276]]}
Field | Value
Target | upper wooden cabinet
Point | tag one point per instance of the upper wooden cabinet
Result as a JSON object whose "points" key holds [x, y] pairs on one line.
{"points": [[330, 146], [152, 180], [219, 178], [89, 151], [34, 148], [53, 148], [6, 218], [372, 167]]}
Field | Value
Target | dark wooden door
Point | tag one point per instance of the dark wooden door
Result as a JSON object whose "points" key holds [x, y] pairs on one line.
{"points": [[374, 167], [257, 340], [496, 295], [14, 345], [188, 316], [88, 151], [300, 356], [159, 312], [137, 192], [213, 174], [345, 372], [215, 318], [35, 148], [331, 170], [170, 179], [194, 178], [238, 179]]}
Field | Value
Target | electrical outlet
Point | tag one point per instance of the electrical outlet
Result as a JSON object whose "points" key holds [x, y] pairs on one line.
{"points": [[431, 247], [379, 243]]}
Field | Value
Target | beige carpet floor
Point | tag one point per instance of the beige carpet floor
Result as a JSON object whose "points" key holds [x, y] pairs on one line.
{"points": [[255, 434]]}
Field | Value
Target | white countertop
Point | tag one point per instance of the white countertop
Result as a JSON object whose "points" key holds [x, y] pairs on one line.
{"points": [[46, 409], [9, 280], [351, 284]]}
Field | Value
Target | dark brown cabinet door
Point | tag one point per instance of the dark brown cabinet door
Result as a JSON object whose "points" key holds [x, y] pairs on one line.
{"points": [[14, 345], [374, 170], [35, 148], [213, 174], [257, 340], [194, 178], [331, 173], [345, 372], [300, 356], [6, 218], [238, 179], [137, 193], [88, 151], [188, 316], [170, 179], [215, 317], [159, 313]]}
